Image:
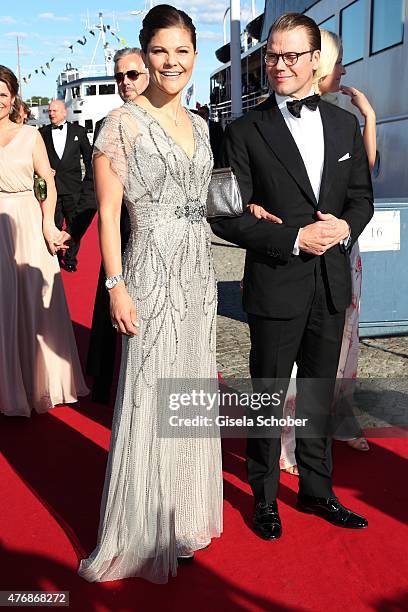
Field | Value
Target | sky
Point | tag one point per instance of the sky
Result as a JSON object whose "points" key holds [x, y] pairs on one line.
{"points": [[46, 29]]}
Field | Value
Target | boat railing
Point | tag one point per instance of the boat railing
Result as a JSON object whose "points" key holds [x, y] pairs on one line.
{"points": [[93, 70], [222, 112]]}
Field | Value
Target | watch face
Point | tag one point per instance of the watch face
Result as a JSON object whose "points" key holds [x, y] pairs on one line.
{"points": [[110, 283]]}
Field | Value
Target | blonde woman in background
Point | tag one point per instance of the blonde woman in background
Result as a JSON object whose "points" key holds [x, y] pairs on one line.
{"points": [[328, 83]]}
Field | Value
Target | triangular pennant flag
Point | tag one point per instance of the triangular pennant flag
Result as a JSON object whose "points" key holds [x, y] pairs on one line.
{"points": [[83, 41], [42, 70], [71, 47], [25, 80], [36, 71], [48, 65], [92, 32], [122, 40], [52, 59]]}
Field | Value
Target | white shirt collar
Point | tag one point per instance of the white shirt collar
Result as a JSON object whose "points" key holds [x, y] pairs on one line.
{"points": [[281, 100], [64, 125]]}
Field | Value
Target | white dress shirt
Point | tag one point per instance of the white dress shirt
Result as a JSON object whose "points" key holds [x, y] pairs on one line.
{"points": [[59, 138], [307, 132]]}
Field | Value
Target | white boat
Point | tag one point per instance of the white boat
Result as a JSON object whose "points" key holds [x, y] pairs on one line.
{"points": [[89, 94], [376, 60]]}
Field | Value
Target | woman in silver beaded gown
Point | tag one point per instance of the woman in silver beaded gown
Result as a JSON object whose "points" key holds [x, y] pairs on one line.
{"points": [[162, 497]]}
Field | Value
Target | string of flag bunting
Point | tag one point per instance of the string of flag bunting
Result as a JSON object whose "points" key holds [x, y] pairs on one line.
{"points": [[80, 41]]}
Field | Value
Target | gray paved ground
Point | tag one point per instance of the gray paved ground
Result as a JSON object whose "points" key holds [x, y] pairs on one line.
{"points": [[382, 359]]}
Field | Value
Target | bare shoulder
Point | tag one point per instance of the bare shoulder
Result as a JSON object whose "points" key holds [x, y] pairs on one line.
{"points": [[30, 131]]}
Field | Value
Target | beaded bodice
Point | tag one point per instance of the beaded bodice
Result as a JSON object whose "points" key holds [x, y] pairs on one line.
{"points": [[161, 183], [168, 265]]}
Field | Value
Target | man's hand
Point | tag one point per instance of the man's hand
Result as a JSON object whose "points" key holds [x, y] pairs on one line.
{"points": [[260, 213], [318, 237]]}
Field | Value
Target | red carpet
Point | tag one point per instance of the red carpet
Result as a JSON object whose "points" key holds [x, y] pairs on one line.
{"points": [[51, 477]]}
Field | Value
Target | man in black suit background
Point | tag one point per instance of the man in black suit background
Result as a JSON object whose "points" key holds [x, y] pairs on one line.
{"points": [[66, 143], [215, 130], [305, 162], [132, 79]]}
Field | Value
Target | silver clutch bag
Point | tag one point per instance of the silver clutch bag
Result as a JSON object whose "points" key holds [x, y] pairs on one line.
{"points": [[224, 196]]}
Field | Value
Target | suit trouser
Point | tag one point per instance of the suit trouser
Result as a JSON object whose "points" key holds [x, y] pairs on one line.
{"points": [[102, 345], [314, 341], [66, 208]]}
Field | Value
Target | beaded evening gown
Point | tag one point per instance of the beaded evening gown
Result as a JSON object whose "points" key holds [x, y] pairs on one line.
{"points": [[162, 496], [39, 363]]}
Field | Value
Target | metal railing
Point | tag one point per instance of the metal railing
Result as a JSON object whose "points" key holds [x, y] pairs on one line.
{"points": [[222, 112]]}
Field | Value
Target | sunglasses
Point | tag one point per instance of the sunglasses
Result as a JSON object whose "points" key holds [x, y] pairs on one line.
{"points": [[133, 75]]}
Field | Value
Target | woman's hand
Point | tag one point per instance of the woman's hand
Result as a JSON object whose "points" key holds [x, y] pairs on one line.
{"points": [[359, 100], [261, 213], [123, 311], [55, 239]]}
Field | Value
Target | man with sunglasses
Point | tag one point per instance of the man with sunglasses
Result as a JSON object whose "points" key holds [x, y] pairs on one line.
{"points": [[303, 160], [132, 79]]}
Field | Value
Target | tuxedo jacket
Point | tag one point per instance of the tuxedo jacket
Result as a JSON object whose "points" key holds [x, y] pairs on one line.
{"points": [[68, 173], [270, 171], [216, 136]]}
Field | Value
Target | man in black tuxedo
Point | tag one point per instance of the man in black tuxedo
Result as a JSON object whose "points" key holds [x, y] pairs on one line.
{"points": [[66, 143], [132, 79], [304, 162]]}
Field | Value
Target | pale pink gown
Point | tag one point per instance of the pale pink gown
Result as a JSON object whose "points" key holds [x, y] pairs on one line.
{"points": [[39, 363]]}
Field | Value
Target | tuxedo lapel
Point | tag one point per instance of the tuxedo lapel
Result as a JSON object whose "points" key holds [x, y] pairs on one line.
{"points": [[49, 143], [277, 136], [69, 141], [332, 135]]}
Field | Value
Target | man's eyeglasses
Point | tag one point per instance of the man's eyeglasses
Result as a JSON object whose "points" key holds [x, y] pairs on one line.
{"points": [[133, 75], [290, 58]]}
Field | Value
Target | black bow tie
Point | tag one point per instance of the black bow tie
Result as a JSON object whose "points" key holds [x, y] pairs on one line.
{"points": [[295, 106], [58, 127]]}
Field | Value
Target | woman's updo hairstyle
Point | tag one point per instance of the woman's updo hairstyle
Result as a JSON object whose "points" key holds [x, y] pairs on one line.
{"points": [[165, 16], [9, 78]]}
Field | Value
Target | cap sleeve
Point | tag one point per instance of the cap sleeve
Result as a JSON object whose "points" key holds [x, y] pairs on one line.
{"points": [[115, 140]]}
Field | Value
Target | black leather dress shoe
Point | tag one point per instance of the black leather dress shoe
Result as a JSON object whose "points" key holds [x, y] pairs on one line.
{"points": [[184, 559], [332, 510], [267, 523], [68, 267]]}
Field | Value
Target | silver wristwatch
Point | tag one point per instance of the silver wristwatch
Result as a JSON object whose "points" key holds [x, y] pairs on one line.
{"points": [[112, 281]]}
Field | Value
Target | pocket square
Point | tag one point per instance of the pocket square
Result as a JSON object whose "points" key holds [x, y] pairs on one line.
{"points": [[76, 138], [346, 156]]}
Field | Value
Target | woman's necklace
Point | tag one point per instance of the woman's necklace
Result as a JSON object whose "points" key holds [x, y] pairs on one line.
{"points": [[176, 121]]}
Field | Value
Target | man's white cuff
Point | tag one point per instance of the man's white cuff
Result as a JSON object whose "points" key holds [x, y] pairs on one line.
{"points": [[296, 250]]}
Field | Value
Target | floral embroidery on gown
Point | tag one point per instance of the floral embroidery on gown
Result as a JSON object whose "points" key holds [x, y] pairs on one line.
{"points": [[162, 496], [39, 363]]}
